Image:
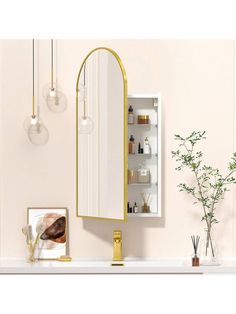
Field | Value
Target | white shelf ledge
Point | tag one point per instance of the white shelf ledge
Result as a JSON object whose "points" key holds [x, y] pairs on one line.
{"points": [[146, 155], [130, 266], [136, 184], [142, 124], [143, 215], [144, 96]]}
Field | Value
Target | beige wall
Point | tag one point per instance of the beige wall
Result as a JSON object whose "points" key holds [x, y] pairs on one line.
{"points": [[196, 79]]}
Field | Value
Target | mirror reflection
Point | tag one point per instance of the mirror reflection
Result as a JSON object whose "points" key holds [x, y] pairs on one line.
{"points": [[101, 136]]}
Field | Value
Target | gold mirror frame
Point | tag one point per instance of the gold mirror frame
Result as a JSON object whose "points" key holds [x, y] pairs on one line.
{"points": [[125, 132]]}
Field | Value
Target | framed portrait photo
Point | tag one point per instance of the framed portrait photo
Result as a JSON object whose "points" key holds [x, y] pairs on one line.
{"points": [[50, 224]]}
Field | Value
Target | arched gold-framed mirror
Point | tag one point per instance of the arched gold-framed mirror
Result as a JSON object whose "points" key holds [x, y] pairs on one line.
{"points": [[101, 136]]}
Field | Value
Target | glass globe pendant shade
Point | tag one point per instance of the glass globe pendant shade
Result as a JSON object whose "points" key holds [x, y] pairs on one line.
{"points": [[85, 125], [56, 101], [38, 133], [49, 86], [31, 120]]}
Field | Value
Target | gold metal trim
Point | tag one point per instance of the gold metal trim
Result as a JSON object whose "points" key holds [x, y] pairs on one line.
{"points": [[102, 218], [67, 229], [125, 133]]}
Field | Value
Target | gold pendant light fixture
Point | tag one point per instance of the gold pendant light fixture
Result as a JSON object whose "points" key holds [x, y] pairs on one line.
{"points": [[55, 99], [85, 122], [33, 125]]}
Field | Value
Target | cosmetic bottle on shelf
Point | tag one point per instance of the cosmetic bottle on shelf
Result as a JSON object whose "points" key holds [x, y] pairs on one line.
{"points": [[132, 176], [143, 119], [130, 115], [146, 147], [143, 175], [131, 145], [135, 208], [129, 209], [139, 148]]}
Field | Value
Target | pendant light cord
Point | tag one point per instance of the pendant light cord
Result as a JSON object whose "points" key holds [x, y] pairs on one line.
{"points": [[51, 63], [33, 105], [84, 90]]}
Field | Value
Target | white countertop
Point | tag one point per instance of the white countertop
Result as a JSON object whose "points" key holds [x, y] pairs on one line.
{"points": [[81, 266]]}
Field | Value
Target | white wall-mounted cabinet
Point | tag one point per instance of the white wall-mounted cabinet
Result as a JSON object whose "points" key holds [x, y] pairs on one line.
{"points": [[145, 105]]}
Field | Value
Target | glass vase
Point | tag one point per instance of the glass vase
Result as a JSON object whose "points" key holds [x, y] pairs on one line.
{"points": [[31, 256], [209, 252]]}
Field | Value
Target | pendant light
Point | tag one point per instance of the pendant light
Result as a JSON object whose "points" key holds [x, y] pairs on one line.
{"points": [[36, 130], [85, 122], [55, 99]]}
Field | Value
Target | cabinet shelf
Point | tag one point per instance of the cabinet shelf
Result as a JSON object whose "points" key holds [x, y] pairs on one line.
{"points": [[143, 215], [142, 125], [137, 184], [146, 155]]}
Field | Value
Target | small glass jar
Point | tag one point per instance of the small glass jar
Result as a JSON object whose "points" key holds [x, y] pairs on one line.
{"points": [[143, 119], [131, 146], [143, 175], [132, 176]]}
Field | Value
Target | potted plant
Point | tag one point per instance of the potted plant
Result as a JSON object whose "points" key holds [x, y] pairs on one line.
{"points": [[209, 188]]}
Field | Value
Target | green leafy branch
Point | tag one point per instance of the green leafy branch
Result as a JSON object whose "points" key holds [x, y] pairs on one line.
{"points": [[211, 185]]}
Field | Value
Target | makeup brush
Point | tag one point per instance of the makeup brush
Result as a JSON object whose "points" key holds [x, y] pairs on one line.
{"points": [[39, 230], [27, 231]]}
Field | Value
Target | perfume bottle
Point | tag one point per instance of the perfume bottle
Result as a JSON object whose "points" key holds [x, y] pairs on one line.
{"points": [[130, 115], [127, 207], [146, 146], [135, 208], [131, 145], [139, 148]]}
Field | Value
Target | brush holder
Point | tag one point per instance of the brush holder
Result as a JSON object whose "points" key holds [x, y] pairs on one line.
{"points": [[31, 257], [32, 250]]}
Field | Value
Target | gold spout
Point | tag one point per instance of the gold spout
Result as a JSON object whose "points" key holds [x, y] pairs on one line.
{"points": [[117, 245]]}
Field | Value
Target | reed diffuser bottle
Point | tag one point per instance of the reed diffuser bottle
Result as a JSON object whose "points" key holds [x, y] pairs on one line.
{"points": [[146, 202], [195, 258]]}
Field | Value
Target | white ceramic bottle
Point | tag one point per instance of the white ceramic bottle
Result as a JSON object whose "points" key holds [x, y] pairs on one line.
{"points": [[146, 146]]}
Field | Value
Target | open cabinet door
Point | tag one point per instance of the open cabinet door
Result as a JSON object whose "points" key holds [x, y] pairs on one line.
{"points": [[101, 137]]}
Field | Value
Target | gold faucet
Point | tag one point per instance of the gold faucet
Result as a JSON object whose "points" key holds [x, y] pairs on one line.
{"points": [[117, 245]]}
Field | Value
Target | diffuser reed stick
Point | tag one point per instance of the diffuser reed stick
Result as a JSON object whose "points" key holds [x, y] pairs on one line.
{"points": [[145, 197]]}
